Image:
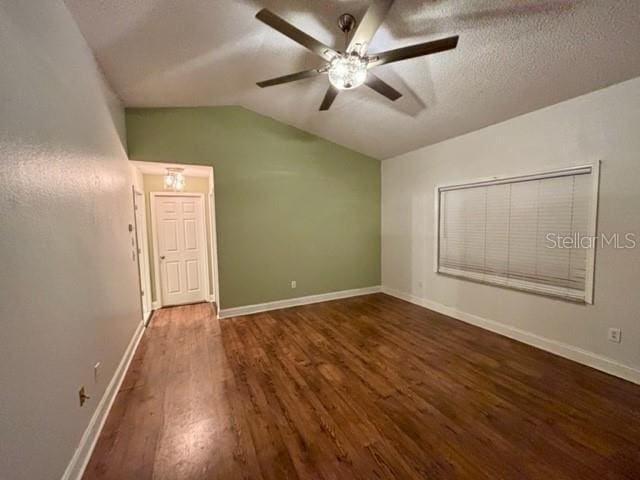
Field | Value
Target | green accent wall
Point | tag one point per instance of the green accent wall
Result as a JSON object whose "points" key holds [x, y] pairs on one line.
{"points": [[289, 205]]}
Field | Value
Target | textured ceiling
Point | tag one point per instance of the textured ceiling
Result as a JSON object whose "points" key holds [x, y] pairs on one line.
{"points": [[514, 56]]}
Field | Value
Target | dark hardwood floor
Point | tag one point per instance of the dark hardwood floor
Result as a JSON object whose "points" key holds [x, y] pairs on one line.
{"points": [[363, 388]]}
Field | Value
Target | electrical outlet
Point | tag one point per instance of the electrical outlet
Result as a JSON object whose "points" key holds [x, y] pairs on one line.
{"points": [[82, 396], [615, 335], [294, 284], [96, 371]]}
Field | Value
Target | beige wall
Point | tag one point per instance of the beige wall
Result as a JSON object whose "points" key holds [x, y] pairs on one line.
{"points": [[600, 126], [155, 183], [68, 283]]}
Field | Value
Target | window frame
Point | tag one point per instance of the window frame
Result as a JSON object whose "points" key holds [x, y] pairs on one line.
{"points": [[592, 169]]}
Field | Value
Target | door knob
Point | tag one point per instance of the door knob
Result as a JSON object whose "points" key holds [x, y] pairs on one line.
{"points": [[161, 257]]}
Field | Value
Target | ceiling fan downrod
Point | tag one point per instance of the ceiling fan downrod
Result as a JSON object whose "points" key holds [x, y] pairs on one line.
{"points": [[346, 23]]}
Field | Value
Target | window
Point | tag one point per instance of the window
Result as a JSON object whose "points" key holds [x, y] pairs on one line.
{"points": [[522, 232]]}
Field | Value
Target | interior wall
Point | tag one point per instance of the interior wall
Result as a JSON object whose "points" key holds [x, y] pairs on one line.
{"points": [[137, 178], [68, 287], [155, 183], [289, 205], [599, 126]]}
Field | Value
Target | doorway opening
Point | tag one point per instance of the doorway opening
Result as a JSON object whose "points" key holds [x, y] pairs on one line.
{"points": [[179, 251]]}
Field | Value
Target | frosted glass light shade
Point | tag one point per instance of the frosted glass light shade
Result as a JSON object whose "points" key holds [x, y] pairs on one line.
{"points": [[174, 180], [347, 71]]}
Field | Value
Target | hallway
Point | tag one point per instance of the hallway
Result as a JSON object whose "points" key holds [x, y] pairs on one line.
{"points": [[170, 415]]}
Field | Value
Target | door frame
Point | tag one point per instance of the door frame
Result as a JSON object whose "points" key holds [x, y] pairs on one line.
{"points": [[213, 254], [154, 229], [142, 253]]}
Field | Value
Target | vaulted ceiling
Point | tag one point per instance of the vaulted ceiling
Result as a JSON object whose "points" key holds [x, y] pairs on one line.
{"points": [[513, 57]]}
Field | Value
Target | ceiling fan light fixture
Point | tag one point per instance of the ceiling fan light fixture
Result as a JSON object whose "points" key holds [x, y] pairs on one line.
{"points": [[349, 68], [348, 71]]}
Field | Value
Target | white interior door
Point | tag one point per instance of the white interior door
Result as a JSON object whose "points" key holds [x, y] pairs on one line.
{"points": [[181, 248]]}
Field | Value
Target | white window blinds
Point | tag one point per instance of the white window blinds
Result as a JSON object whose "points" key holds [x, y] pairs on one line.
{"points": [[510, 232]]}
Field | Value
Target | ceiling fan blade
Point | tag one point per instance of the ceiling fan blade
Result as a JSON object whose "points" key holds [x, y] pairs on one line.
{"points": [[288, 78], [413, 51], [382, 87], [295, 34], [369, 24], [329, 97]]}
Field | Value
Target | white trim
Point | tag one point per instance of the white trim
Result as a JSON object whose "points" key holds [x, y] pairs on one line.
{"points": [[593, 229], [565, 350], [155, 305], [211, 298], [80, 459], [147, 317], [157, 168], [156, 264], [294, 302], [213, 257], [436, 230], [142, 252], [154, 234]]}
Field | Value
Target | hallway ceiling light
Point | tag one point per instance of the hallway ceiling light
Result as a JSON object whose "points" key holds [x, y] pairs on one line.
{"points": [[174, 179]]}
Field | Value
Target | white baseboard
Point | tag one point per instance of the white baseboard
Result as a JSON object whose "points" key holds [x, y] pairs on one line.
{"points": [[81, 457], [155, 305], [294, 302], [565, 350], [211, 298]]}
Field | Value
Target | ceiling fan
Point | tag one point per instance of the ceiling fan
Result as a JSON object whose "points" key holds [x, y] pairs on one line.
{"points": [[351, 68]]}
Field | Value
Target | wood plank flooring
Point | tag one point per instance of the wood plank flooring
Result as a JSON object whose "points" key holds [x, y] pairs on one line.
{"points": [[362, 388]]}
